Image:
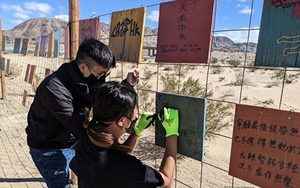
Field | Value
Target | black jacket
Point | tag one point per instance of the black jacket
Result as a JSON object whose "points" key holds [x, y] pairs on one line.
{"points": [[102, 167], [56, 116]]}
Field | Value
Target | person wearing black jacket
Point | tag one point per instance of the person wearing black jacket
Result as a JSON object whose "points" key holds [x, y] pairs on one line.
{"points": [[56, 116]]}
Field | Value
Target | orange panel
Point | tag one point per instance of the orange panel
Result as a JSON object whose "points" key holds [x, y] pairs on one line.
{"points": [[266, 147]]}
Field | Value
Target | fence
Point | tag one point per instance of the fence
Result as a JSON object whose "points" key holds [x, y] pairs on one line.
{"points": [[230, 78]]}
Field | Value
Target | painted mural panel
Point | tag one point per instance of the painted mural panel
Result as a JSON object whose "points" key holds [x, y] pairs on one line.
{"points": [[279, 38]]}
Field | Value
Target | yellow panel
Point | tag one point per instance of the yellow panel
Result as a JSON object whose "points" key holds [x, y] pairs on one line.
{"points": [[127, 34]]}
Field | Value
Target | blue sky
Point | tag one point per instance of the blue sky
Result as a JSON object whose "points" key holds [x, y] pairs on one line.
{"points": [[231, 14]]}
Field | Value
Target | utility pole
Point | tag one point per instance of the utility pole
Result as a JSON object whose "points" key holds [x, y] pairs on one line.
{"points": [[2, 61], [74, 27]]}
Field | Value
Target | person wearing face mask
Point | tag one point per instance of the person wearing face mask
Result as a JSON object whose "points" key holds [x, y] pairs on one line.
{"points": [[101, 160], [56, 116]]}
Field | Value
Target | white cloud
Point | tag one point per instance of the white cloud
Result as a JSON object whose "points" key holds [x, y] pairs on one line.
{"points": [[17, 21], [93, 14], [154, 16], [19, 13], [63, 17], [15, 8], [22, 12], [43, 8], [21, 16], [245, 10], [240, 36]]}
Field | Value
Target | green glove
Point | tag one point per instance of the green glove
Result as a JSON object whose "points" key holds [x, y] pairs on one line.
{"points": [[171, 122], [142, 124]]}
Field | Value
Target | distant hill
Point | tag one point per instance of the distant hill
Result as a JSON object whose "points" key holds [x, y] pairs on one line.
{"points": [[225, 44], [31, 29]]}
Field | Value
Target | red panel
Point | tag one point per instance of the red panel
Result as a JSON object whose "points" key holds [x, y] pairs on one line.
{"points": [[89, 28], [47, 72], [266, 147], [297, 10], [184, 33]]}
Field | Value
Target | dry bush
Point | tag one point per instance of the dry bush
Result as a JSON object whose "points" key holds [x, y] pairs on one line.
{"points": [[234, 63], [216, 111], [289, 78]]}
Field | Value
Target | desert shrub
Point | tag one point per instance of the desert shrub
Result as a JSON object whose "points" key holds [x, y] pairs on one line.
{"points": [[216, 111], [214, 60], [217, 70], [146, 104], [221, 79], [267, 102], [289, 78], [233, 62]]}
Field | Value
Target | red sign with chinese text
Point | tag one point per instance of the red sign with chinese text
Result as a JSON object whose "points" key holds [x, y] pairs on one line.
{"points": [[266, 147], [184, 32]]}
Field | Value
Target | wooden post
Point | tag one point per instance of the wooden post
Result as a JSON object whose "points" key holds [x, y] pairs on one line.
{"points": [[24, 97], [74, 27], [2, 71], [74, 44]]}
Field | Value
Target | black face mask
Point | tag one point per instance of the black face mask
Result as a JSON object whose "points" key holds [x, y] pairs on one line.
{"points": [[92, 80]]}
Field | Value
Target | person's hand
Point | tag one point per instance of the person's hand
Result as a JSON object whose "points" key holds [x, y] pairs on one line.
{"points": [[133, 78], [87, 115], [142, 124], [171, 122]]}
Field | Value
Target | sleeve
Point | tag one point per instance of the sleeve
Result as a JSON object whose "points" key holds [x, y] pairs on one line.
{"points": [[60, 104], [153, 177], [141, 175], [126, 83]]}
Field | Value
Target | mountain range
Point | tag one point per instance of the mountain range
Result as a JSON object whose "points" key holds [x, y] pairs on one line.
{"points": [[31, 29]]}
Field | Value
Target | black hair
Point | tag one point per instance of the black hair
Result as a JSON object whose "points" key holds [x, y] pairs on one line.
{"points": [[98, 51], [113, 100]]}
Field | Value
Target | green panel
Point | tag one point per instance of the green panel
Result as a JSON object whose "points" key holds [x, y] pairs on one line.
{"points": [[192, 113]]}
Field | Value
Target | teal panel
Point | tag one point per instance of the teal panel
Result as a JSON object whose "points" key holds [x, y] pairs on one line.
{"points": [[192, 113], [279, 38]]}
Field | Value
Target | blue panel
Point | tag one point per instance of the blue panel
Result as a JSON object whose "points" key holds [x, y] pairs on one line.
{"points": [[192, 113], [17, 45]]}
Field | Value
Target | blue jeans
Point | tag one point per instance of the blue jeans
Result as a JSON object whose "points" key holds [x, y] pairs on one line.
{"points": [[53, 164]]}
